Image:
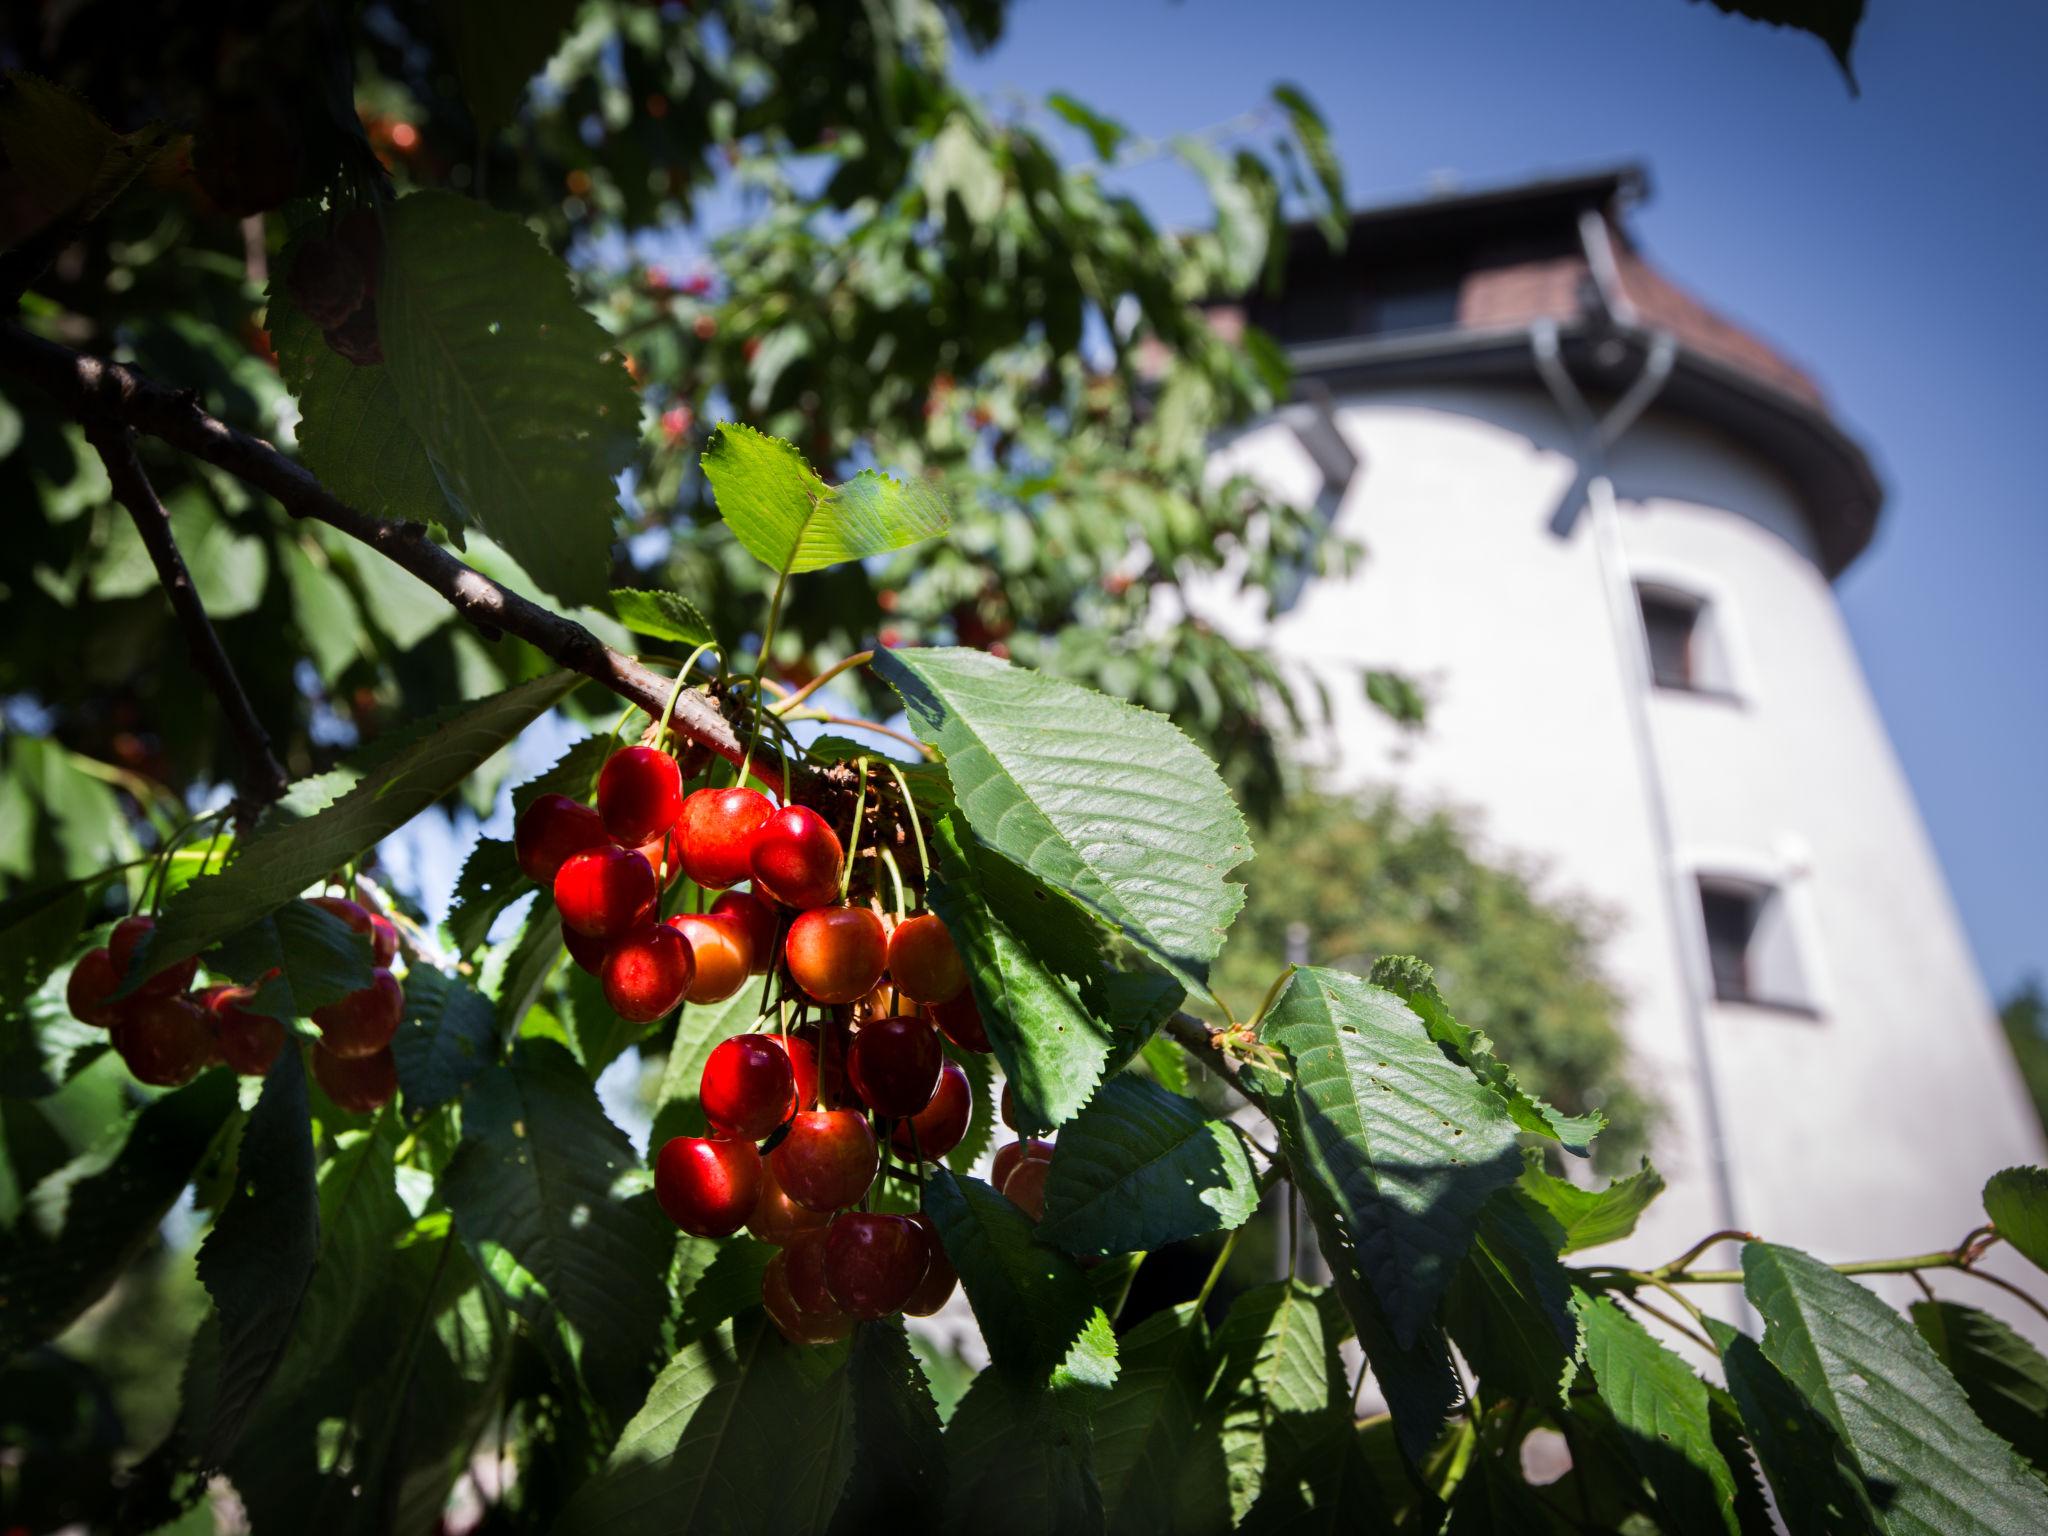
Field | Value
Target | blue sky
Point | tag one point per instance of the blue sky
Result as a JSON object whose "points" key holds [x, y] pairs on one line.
{"points": [[1892, 243]]}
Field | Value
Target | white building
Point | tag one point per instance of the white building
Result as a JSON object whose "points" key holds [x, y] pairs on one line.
{"points": [[1600, 526]]}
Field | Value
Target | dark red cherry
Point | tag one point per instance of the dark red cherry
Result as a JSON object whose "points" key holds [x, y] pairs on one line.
{"points": [[757, 919], [778, 1219], [934, 1290], [606, 892], [1007, 1158], [164, 1040], [550, 830], [249, 1042], [1025, 1187], [361, 1085], [828, 1159], [802, 1046], [805, 1268], [720, 947], [707, 1185], [639, 795], [796, 859], [747, 1086], [1007, 1105], [165, 982], [836, 954], [647, 972], [874, 1261], [362, 1023], [383, 936], [586, 951], [960, 1022], [717, 828], [795, 1324], [894, 1064], [923, 963], [93, 980], [941, 1124]]}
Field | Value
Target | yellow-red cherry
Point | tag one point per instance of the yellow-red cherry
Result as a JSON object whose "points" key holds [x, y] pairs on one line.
{"points": [[639, 795], [647, 972], [836, 954], [828, 1159], [1007, 1158], [757, 920], [923, 962], [942, 1124], [895, 1064], [606, 892], [717, 828], [778, 1219], [707, 1185], [795, 858], [550, 831], [747, 1086], [1025, 1187], [721, 950], [362, 1085]]}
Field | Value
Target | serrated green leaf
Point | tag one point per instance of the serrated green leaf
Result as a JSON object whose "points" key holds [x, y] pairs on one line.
{"points": [[1167, 1062], [508, 383], [491, 880], [1019, 1460], [259, 1259], [1159, 1457], [448, 1036], [728, 1284], [316, 959], [40, 931], [1510, 1305], [792, 522], [1908, 1426], [699, 1028], [516, 972], [898, 1476], [498, 49], [1277, 1388], [275, 865], [1586, 1218], [1108, 803], [662, 616], [1140, 1168], [2016, 1200], [597, 1033], [534, 1190], [1030, 1299], [2004, 1376], [574, 774]]}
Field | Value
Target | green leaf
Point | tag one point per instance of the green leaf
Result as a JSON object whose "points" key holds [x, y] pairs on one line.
{"points": [[2003, 1375], [1097, 798], [38, 931], [534, 1190], [1141, 1168], [448, 1036], [88, 1221], [1277, 1387], [498, 49], [1660, 1408], [66, 159], [1105, 134], [1510, 1305], [899, 1460], [597, 1034], [792, 522], [741, 1432], [279, 862], [1415, 984], [1031, 1301], [1906, 1423], [1018, 1459], [1407, 1144], [981, 1123], [259, 1258], [2016, 1200], [509, 384], [1167, 1062], [574, 774], [662, 616], [318, 959], [491, 880], [1314, 136], [1159, 1458], [727, 1284], [1586, 1218], [699, 1029]]}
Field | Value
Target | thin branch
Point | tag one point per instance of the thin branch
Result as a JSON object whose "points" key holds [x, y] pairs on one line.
{"points": [[90, 386], [260, 775], [1196, 1038]]}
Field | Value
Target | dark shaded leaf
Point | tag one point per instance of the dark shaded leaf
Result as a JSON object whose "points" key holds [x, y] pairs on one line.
{"points": [[449, 1035], [1031, 1300], [2016, 1200], [2004, 1376]]}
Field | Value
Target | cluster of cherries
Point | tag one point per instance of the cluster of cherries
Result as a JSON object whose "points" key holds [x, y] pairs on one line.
{"points": [[794, 1113], [167, 1032]]}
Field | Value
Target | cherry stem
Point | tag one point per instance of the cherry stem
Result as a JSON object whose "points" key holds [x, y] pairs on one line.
{"points": [[1216, 1269], [859, 724], [661, 735], [760, 667], [924, 862], [1272, 992], [860, 806], [790, 701], [896, 876]]}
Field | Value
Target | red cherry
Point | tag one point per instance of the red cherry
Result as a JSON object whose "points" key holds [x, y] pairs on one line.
{"points": [[164, 1040], [383, 939], [747, 1086], [894, 1063], [802, 1046], [960, 1022], [606, 892], [923, 962], [1007, 1158], [1025, 1187], [757, 919], [639, 795], [836, 954], [778, 1219], [805, 1269], [720, 947], [835, 1088], [1008, 1107], [362, 1023], [828, 1159], [874, 1261], [939, 1279], [941, 1124], [550, 831], [93, 980], [796, 859], [646, 973], [249, 1042], [586, 951], [361, 1085], [383, 936], [166, 982], [795, 1324], [717, 827], [707, 1186]]}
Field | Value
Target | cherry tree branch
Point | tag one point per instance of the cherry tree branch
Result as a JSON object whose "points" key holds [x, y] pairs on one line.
{"points": [[94, 387], [1198, 1039], [260, 776]]}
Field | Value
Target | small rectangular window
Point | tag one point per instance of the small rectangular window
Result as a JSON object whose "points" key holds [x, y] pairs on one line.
{"points": [[1750, 947], [1670, 622]]}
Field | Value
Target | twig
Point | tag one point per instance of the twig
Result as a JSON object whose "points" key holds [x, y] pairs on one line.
{"points": [[260, 775], [1196, 1037]]}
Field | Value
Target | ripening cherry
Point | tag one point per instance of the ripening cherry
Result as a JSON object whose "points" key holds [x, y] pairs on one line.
{"points": [[942, 1124], [828, 1159], [747, 1086], [873, 1261], [707, 1185], [164, 1040], [249, 1042], [1007, 1158], [757, 920], [93, 980], [717, 828], [606, 892], [923, 963], [1025, 1187], [795, 1324], [550, 831], [836, 954], [383, 936], [804, 1268], [940, 1277], [362, 1023], [383, 939], [647, 972], [778, 1219], [721, 950], [795, 858], [894, 1063], [166, 982], [639, 795], [587, 952], [960, 1022], [362, 1085]]}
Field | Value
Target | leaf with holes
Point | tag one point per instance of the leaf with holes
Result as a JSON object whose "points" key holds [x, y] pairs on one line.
{"points": [[792, 521], [1031, 1300]]}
